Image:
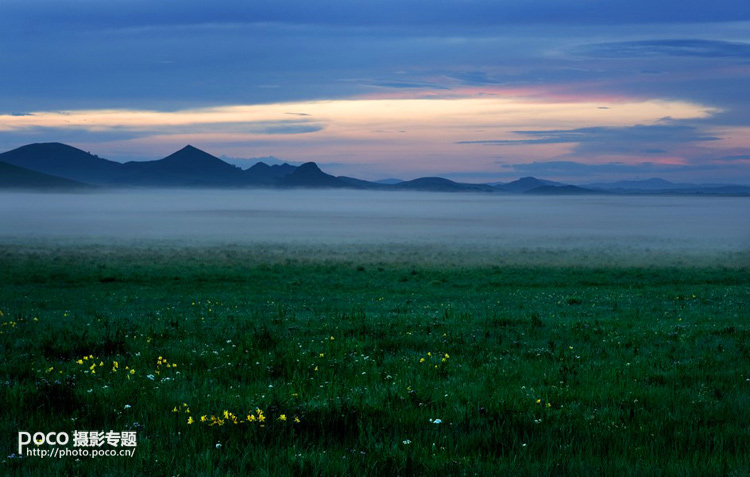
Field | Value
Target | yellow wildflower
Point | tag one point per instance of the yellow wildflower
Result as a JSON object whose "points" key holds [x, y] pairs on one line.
{"points": [[190, 420], [282, 417]]}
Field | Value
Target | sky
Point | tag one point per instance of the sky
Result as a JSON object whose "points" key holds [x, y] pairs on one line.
{"points": [[473, 90]]}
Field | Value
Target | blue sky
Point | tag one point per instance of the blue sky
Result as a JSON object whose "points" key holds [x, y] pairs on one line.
{"points": [[477, 90]]}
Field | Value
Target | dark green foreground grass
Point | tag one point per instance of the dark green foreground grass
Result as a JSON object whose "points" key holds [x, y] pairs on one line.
{"points": [[379, 370]]}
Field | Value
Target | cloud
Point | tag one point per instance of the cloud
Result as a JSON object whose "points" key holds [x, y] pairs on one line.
{"points": [[628, 138], [396, 84], [742, 157], [282, 127], [695, 48], [476, 78], [96, 13]]}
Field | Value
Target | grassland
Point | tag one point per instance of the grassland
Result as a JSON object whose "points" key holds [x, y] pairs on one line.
{"points": [[229, 364]]}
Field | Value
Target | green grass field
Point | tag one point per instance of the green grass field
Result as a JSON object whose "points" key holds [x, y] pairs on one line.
{"points": [[228, 364]]}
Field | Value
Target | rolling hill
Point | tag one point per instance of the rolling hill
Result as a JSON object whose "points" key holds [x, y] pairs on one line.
{"points": [[64, 161], [14, 177], [188, 167], [45, 165]]}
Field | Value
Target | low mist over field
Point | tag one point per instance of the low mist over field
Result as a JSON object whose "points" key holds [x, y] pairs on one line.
{"points": [[310, 225]]}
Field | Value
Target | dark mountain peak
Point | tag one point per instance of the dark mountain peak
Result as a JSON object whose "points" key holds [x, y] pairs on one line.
{"points": [[525, 184], [431, 180], [48, 148], [261, 173], [441, 184], [309, 168], [61, 160], [192, 154], [259, 167], [310, 175], [188, 167]]}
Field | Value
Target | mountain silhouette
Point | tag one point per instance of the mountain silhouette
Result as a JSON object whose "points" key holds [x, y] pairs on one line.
{"points": [[310, 175], [439, 184], [355, 183], [50, 165], [64, 161], [563, 190], [188, 167], [263, 174], [526, 184], [14, 177]]}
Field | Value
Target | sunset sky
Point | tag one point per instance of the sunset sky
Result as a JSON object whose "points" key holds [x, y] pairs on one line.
{"points": [[472, 90]]}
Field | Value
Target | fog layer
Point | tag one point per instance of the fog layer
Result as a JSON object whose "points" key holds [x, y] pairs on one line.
{"points": [[392, 225]]}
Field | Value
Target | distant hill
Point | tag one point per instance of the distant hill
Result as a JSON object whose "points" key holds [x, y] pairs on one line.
{"points": [[64, 161], [263, 174], [310, 175], [389, 181], [439, 184], [246, 163], [362, 184], [526, 184], [14, 177], [647, 184], [563, 190], [52, 163], [663, 187], [188, 167]]}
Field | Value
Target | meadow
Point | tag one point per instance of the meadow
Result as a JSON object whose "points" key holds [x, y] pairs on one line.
{"points": [[227, 361]]}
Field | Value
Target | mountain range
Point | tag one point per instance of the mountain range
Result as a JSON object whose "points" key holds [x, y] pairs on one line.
{"points": [[56, 166]]}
